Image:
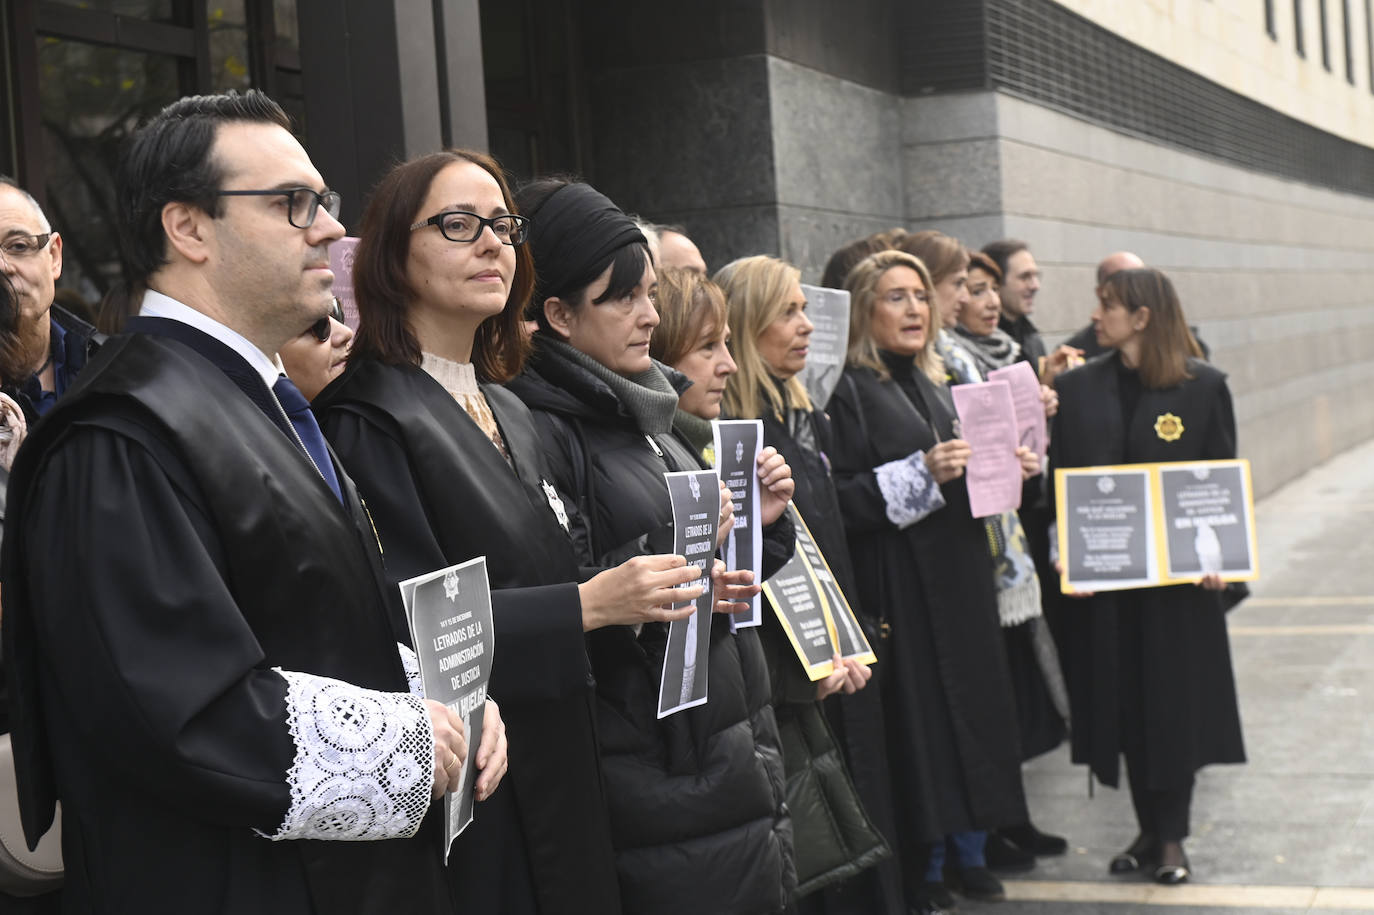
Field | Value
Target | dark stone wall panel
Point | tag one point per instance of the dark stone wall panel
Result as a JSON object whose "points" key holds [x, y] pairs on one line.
{"points": [[855, 40], [684, 137]]}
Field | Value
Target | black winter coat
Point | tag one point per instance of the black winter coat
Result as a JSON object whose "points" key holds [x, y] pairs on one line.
{"points": [[1190, 708], [857, 720], [696, 799], [951, 715]]}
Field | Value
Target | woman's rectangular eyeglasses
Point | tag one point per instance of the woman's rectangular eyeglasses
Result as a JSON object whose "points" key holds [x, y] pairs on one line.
{"points": [[461, 226]]}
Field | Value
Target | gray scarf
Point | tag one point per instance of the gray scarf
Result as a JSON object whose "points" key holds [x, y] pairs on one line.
{"points": [[695, 430], [993, 351], [648, 396]]}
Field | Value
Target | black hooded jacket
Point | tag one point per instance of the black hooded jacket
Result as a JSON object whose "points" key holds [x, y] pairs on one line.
{"points": [[696, 799]]}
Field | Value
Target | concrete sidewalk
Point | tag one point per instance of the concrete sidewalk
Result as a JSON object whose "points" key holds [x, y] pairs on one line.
{"points": [[1293, 830]]}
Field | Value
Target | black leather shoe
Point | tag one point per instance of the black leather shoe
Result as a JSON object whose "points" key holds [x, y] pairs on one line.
{"points": [[1174, 874], [1028, 838], [927, 908], [979, 883], [1003, 855], [1142, 853], [934, 898]]}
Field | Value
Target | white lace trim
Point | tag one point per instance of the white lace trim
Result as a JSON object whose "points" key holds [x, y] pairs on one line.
{"points": [[908, 489], [412, 668], [364, 761]]}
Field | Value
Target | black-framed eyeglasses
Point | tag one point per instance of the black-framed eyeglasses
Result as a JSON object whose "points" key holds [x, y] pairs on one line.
{"points": [[302, 202], [322, 330], [461, 226], [19, 246]]}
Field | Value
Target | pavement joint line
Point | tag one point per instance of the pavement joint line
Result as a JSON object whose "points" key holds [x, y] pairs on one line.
{"points": [[1333, 629], [1312, 600], [1313, 898]]}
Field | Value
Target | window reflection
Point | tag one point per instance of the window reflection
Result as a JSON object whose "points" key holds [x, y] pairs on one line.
{"points": [[91, 98], [228, 28], [156, 10]]}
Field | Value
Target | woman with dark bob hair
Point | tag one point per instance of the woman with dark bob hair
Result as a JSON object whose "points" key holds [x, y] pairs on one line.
{"points": [[696, 799], [450, 469], [1150, 669], [922, 564]]}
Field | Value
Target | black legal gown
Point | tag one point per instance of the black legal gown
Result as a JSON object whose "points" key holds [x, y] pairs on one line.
{"points": [[440, 493], [168, 547], [1191, 717], [952, 738]]}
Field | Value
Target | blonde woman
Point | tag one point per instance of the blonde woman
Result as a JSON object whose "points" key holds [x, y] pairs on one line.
{"points": [[840, 833], [922, 564]]}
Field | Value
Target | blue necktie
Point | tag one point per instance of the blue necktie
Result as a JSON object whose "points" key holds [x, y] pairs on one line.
{"points": [[303, 421]]}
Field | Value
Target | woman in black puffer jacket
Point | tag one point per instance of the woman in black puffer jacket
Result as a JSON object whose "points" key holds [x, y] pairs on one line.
{"points": [[696, 799]]}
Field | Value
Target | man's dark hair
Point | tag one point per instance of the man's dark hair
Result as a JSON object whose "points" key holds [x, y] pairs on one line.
{"points": [[846, 258], [168, 160], [1002, 251]]}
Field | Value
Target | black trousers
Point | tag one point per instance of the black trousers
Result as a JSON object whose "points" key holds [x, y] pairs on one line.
{"points": [[1161, 811]]}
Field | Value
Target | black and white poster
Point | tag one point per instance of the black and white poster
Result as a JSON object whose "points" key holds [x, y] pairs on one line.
{"points": [[696, 512], [450, 622], [813, 611], [850, 640], [1106, 528], [737, 443], [796, 597], [828, 310], [1208, 520]]}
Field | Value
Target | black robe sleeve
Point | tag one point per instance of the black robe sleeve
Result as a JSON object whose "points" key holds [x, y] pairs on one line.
{"points": [[779, 541], [539, 647], [154, 666]]}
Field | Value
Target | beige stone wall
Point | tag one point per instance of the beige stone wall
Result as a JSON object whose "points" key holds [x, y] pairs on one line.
{"points": [[1225, 41], [1276, 274]]}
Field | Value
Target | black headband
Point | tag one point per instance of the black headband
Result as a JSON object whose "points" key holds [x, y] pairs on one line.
{"points": [[572, 237]]}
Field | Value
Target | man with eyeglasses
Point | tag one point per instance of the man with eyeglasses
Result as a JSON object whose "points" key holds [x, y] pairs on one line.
{"points": [[51, 344], [200, 643]]}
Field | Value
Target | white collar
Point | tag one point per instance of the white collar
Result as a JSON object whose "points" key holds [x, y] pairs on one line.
{"points": [[157, 305]]}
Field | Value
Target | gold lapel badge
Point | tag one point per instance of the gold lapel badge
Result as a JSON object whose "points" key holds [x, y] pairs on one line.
{"points": [[1169, 427]]}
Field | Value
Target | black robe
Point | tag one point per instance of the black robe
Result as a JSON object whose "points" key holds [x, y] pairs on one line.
{"points": [[952, 742], [169, 546], [440, 493], [1189, 702]]}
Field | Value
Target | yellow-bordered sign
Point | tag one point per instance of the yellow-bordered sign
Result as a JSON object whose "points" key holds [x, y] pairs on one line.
{"points": [[1151, 525], [806, 580]]}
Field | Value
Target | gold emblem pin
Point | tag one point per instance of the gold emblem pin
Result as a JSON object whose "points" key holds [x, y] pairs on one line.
{"points": [[1169, 427]]}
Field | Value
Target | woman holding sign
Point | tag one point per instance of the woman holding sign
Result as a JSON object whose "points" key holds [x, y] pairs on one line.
{"points": [[832, 837], [1149, 669], [921, 561], [771, 340], [451, 468], [696, 797]]}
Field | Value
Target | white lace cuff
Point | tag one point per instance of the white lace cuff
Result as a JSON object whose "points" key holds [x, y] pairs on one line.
{"points": [[909, 490], [412, 668], [364, 761]]}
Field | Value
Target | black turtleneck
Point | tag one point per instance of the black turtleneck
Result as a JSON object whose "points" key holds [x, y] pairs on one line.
{"points": [[1128, 388], [903, 370]]}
